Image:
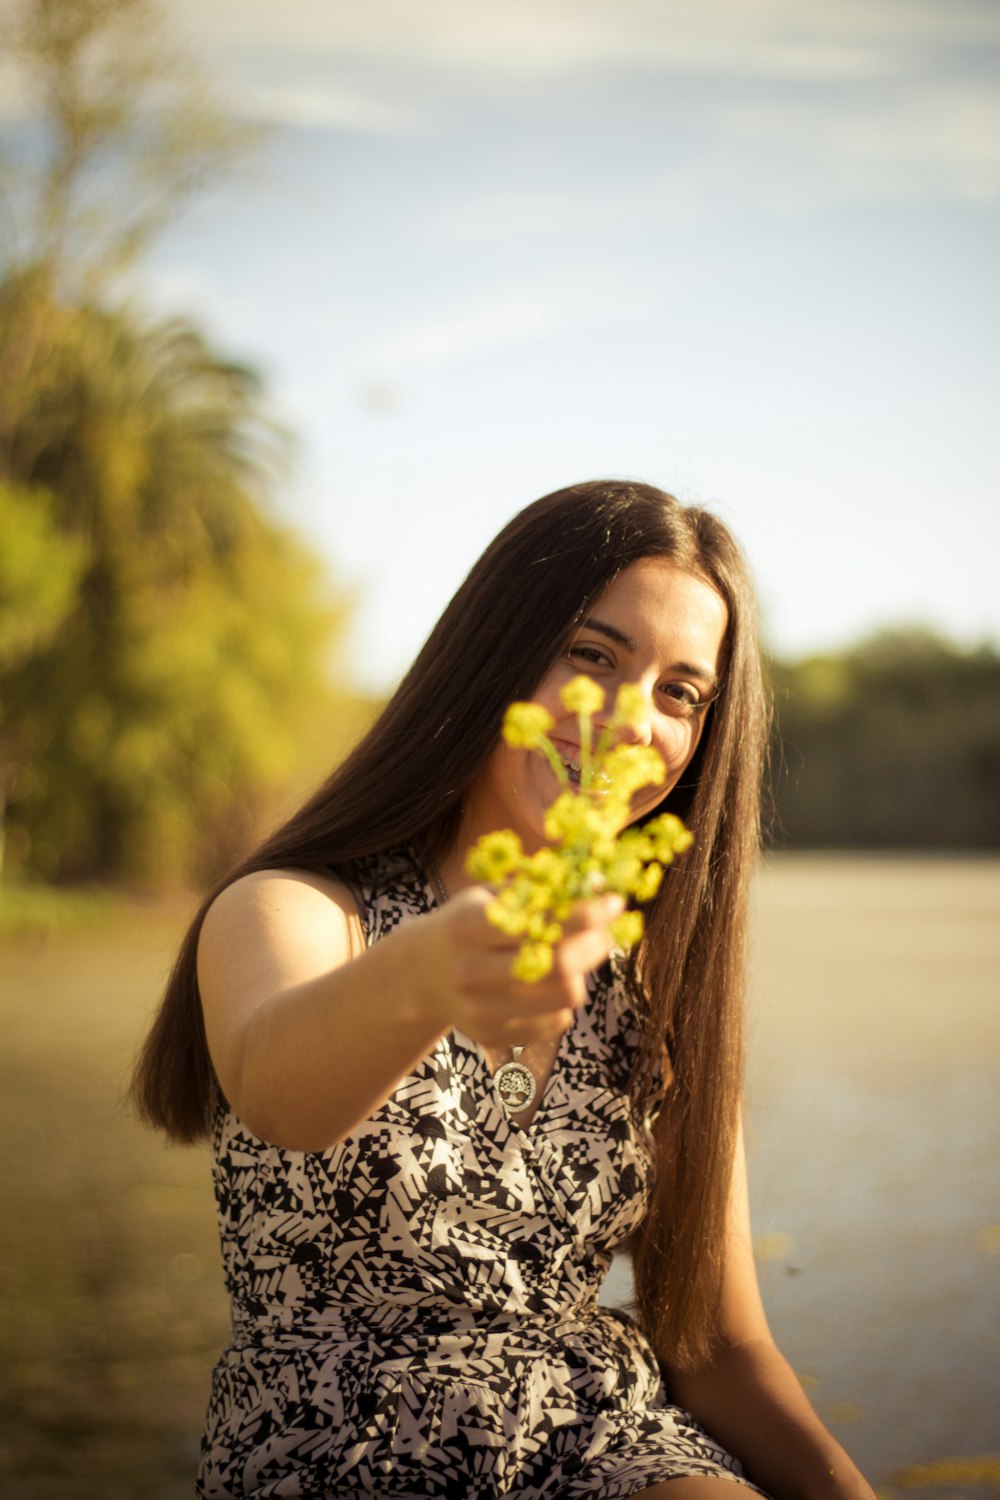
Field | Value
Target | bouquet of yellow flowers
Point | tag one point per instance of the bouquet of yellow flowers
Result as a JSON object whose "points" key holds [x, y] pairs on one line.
{"points": [[592, 850]]}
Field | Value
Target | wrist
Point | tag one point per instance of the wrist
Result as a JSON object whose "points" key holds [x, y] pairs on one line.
{"points": [[413, 978]]}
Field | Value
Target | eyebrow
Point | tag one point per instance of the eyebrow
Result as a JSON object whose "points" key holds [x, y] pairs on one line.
{"points": [[621, 639], [612, 632]]}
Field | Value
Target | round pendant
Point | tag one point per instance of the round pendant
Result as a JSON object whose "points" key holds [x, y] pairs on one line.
{"points": [[515, 1083]]}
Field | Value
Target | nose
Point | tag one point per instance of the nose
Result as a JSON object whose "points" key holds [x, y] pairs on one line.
{"points": [[639, 732], [639, 729]]}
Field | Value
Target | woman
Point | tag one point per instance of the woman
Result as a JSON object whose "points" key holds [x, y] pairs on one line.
{"points": [[413, 1262]]}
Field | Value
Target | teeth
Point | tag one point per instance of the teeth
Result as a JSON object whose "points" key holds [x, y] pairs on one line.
{"points": [[571, 765]]}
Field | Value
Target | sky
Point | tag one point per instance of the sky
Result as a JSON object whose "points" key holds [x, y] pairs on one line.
{"points": [[743, 249]]}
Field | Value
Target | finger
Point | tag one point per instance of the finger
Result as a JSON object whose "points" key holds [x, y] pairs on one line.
{"points": [[468, 913], [525, 1003], [517, 1031], [580, 953], [490, 970], [485, 971], [595, 913], [492, 987]]}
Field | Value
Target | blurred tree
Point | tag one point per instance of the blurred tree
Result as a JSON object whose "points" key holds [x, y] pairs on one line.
{"points": [[124, 130], [40, 571], [190, 668], [118, 131], [164, 646], [895, 744]]}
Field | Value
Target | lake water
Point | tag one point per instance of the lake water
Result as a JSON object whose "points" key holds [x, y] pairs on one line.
{"points": [[874, 1146]]}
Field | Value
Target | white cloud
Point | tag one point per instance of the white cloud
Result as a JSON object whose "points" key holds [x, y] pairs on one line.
{"points": [[468, 333], [870, 97], [944, 136], [549, 307], [333, 107], [756, 153], [749, 38], [392, 67], [914, 138]]}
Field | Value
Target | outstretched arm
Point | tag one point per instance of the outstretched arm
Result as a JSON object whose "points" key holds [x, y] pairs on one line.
{"points": [[309, 1031], [748, 1396]]}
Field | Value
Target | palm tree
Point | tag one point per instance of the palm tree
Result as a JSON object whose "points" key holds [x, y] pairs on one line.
{"points": [[180, 686]]}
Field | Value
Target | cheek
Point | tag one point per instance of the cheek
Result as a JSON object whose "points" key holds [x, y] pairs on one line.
{"points": [[678, 744], [547, 691], [510, 771], [496, 775]]}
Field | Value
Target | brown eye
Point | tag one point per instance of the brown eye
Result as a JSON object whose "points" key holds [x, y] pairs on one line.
{"points": [[682, 699], [590, 656]]}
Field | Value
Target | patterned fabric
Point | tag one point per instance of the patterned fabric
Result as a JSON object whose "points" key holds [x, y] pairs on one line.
{"points": [[415, 1310]]}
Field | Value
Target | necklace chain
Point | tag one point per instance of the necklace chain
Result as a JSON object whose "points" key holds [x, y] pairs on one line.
{"points": [[515, 1083], [440, 889]]}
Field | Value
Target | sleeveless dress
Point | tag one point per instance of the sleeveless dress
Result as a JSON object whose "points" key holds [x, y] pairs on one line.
{"points": [[415, 1310]]}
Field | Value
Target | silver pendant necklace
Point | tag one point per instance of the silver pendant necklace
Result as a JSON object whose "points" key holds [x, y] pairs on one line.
{"points": [[514, 1082]]}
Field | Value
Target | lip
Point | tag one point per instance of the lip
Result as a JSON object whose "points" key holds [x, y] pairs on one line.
{"points": [[567, 751]]}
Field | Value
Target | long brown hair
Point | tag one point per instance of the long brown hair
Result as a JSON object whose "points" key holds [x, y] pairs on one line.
{"points": [[404, 784]]}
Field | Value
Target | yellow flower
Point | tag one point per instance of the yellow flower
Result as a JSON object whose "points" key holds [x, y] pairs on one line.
{"points": [[507, 917], [542, 931], [623, 868], [572, 819], [669, 836], [627, 929], [592, 848], [630, 705], [636, 843], [550, 870], [525, 725], [533, 895], [533, 962], [494, 857], [582, 696], [633, 766]]}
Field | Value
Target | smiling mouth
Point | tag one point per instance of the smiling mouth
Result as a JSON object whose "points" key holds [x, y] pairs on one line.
{"points": [[600, 782], [572, 766]]}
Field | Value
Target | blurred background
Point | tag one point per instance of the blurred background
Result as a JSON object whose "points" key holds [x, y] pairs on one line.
{"points": [[298, 305]]}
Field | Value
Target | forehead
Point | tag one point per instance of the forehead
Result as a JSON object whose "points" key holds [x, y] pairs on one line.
{"points": [[665, 608]]}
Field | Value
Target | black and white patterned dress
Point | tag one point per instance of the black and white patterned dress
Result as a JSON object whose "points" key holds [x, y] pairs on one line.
{"points": [[415, 1310]]}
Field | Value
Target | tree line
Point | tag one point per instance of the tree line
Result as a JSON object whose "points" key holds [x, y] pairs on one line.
{"points": [[894, 744]]}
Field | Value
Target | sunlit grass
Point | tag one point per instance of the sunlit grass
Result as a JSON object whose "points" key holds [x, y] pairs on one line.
{"points": [[980, 1471], [42, 909]]}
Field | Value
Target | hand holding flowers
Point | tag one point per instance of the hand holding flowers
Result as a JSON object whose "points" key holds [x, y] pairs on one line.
{"points": [[592, 851]]}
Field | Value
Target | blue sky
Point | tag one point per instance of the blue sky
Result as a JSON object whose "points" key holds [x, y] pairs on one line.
{"points": [[746, 250]]}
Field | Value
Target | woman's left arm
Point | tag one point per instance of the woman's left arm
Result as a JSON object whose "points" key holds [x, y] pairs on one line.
{"points": [[748, 1396]]}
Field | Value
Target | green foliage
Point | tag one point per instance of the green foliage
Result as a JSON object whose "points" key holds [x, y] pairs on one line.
{"points": [[165, 647], [895, 744], [189, 676], [46, 910], [40, 572]]}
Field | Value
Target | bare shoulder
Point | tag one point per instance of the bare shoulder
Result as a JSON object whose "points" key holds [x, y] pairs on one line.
{"points": [[273, 929], [284, 892]]}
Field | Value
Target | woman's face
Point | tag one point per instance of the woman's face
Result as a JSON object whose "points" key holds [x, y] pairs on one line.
{"points": [[655, 626]]}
